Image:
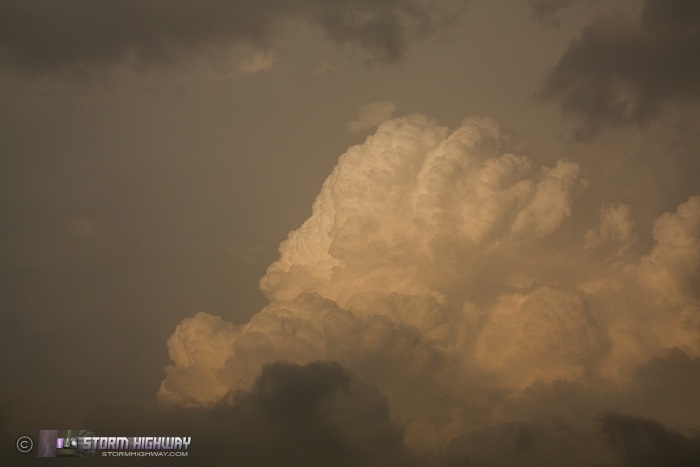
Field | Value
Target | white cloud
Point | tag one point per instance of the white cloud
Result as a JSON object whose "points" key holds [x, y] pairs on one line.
{"points": [[199, 347]]}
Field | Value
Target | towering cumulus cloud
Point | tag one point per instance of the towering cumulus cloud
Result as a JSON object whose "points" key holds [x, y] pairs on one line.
{"points": [[435, 268]]}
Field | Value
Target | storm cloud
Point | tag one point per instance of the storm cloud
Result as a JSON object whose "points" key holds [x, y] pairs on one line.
{"points": [[624, 70], [40, 36], [642, 442], [425, 268], [454, 293]]}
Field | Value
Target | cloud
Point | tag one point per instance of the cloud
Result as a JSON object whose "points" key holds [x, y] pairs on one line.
{"points": [[522, 444], [323, 69], [641, 442], [623, 70], [371, 115], [446, 271], [385, 27], [260, 61], [545, 11], [615, 229], [672, 266], [319, 413], [626, 424], [546, 334], [46, 37], [663, 388], [621, 440], [316, 414]]}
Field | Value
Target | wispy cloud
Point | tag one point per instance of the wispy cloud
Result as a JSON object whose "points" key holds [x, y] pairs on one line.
{"points": [[370, 115], [260, 61]]}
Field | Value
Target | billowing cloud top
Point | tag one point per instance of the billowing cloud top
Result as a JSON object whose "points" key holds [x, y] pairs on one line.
{"points": [[426, 268]]}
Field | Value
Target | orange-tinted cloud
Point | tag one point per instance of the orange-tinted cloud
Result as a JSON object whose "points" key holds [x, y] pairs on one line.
{"points": [[429, 268]]}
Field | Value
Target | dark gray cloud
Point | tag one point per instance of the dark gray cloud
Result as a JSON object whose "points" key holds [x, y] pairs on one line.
{"points": [[525, 444], [622, 71], [382, 27], [318, 414], [664, 387], [618, 440], [322, 414], [639, 423], [44, 36], [642, 442]]}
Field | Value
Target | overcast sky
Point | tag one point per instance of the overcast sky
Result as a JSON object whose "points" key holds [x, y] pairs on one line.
{"points": [[365, 232]]}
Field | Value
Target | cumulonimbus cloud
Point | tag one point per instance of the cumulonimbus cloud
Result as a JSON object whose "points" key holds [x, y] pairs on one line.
{"points": [[427, 269]]}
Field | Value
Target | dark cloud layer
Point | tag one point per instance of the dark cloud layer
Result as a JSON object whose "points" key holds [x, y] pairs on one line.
{"points": [[622, 71], [639, 423], [619, 440], [318, 414], [322, 414], [45, 36], [641, 442]]}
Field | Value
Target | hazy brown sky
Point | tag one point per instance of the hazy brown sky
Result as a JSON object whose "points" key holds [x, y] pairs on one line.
{"points": [[477, 226]]}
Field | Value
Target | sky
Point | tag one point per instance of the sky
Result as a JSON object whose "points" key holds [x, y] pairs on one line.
{"points": [[389, 232]]}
